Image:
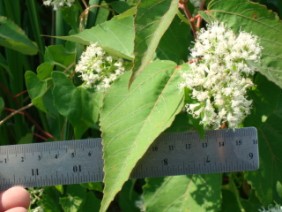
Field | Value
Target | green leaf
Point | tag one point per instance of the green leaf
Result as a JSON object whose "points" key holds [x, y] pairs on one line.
{"points": [[44, 70], [115, 36], [252, 203], [78, 104], [26, 139], [128, 196], [38, 86], [229, 202], [13, 37], [71, 14], [49, 201], [152, 20], [91, 203], [36, 89], [256, 19], [267, 117], [97, 186], [40, 93], [237, 194], [58, 55], [74, 199], [182, 193], [181, 123], [131, 119], [120, 6], [175, 42]]}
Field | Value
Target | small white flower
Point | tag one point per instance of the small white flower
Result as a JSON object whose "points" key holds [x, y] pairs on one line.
{"points": [[56, 4], [98, 69], [218, 78], [109, 59], [222, 114], [119, 63]]}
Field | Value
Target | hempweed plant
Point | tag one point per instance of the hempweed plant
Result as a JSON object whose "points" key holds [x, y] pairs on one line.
{"points": [[98, 69], [41, 98], [220, 76]]}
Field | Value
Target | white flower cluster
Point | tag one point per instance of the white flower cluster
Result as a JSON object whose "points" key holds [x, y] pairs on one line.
{"points": [[56, 4], [218, 79], [272, 208], [97, 68]]}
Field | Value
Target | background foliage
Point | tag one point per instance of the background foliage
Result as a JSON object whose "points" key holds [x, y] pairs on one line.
{"points": [[41, 98]]}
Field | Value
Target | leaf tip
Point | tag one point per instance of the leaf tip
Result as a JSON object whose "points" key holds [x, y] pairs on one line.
{"points": [[132, 78]]}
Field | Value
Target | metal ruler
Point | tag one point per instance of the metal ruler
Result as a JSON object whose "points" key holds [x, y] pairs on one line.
{"points": [[80, 161]]}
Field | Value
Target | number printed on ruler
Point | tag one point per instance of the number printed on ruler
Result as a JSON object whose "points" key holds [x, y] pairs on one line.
{"points": [[79, 161], [188, 153]]}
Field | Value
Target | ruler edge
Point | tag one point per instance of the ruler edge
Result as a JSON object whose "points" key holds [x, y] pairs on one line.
{"points": [[98, 140], [99, 144]]}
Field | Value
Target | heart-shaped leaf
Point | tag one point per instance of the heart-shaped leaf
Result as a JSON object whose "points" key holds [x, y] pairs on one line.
{"points": [[79, 105]]}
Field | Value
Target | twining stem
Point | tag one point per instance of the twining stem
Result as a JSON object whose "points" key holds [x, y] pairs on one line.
{"points": [[20, 94], [15, 113], [40, 136], [21, 111], [88, 16], [183, 6], [202, 5], [84, 15]]}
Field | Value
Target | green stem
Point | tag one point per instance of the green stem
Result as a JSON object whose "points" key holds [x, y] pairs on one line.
{"points": [[35, 25], [59, 26], [92, 16], [12, 9]]}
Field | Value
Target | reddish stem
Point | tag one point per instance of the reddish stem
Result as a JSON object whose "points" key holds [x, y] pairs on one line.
{"points": [[40, 137], [22, 112], [183, 6], [19, 94], [202, 4], [199, 21]]}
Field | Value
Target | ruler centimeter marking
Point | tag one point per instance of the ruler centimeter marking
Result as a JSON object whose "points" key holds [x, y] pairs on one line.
{"points": [[80, 161]]}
